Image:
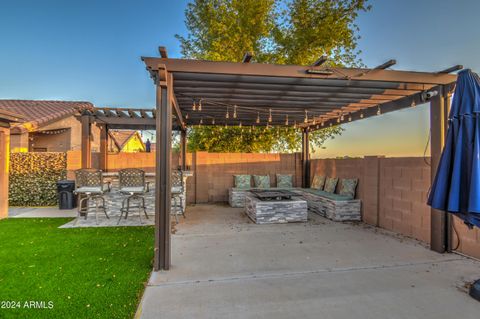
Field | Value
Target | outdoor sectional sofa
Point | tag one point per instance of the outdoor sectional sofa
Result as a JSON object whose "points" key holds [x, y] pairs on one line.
{"points": [[320, 200]]}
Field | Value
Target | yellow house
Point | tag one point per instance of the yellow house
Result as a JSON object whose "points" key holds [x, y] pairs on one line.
{"points": [[127, 141]]}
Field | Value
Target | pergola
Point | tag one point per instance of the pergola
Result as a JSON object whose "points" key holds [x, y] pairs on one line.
{"points": [[6, 118], [194, 92]]}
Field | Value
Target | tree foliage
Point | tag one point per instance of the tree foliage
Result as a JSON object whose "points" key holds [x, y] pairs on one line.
{"points": [[284, 32]]}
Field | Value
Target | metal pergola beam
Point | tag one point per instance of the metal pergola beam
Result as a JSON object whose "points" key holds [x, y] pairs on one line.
{"points": [[438, 127], [163, 170], [305, 158], [293, 71]]}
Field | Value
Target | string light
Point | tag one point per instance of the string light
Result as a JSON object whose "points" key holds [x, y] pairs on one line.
{"points": [[213, 121], [413, 103], [234, 111], [186, 116], [240, 124], [286, 120], [338, 120], [317, 127], [350, 118], [361, 115], [295, 124], [306, 117], [314, 121], [269, 115], [331, 124], [200, 104], [194, 106], [323, 123], [342, 117], [258, 118], [379, 111], [201, 121], [227, 116]]}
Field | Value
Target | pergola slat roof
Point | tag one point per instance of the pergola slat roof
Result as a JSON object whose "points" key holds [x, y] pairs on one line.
{"points": [[320, 94]]}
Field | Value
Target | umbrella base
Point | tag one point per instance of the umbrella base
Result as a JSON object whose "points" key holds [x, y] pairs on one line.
{"points": [[475, 290]]}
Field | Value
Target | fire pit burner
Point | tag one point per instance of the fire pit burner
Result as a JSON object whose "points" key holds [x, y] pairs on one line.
{"points": [[264, 194]]}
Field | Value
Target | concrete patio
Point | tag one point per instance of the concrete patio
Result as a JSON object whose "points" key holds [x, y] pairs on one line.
{"points": [[224, 266]]}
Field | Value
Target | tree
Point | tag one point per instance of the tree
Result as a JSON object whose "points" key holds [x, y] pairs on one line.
{"points": [[290, 32]]}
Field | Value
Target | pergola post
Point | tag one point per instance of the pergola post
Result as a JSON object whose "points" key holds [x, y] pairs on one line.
{"points": [[86, 146], [4, 160], [163, 170], [438, 125], [305, 159], [183, 148], [103, 146]]}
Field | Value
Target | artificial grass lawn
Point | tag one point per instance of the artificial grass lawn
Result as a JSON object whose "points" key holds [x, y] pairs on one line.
{"points": [[84, 272]]}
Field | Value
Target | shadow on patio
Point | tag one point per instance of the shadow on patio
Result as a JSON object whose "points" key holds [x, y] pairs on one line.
{"points": [[224, 266]]}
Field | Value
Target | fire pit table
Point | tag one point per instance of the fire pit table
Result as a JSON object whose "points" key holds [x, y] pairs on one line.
{"points": [[275, 206]]}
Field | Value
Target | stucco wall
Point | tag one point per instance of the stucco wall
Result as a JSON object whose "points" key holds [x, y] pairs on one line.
{"points": [[66, 141]]}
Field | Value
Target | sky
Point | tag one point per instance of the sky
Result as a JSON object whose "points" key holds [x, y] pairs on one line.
{"points": [[90, 50]]}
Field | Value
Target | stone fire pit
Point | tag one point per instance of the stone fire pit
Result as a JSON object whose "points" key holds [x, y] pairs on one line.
{"points": [[275, 206]]}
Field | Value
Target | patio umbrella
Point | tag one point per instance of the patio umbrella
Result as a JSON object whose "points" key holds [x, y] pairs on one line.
{"points": [[456, 187]]}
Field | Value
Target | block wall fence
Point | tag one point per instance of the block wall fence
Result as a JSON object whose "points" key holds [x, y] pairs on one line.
{"points": [[393, 190]]}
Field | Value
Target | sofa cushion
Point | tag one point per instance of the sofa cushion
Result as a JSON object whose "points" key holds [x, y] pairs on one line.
{"points": [[242, 181], [332, 196], [284, 181], [318, 182], [261, 181], [330, 184], [348, 186]]}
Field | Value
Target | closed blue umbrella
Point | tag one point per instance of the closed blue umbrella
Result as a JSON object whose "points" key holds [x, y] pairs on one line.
{"points": [[456, 187]]}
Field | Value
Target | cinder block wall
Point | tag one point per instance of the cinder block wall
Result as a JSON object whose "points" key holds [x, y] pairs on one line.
{"points": [[394, 194]]}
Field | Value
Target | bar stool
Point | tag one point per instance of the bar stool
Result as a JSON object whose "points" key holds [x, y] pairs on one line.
{"points": [[90, 187], [132, 184], [177, 192]]}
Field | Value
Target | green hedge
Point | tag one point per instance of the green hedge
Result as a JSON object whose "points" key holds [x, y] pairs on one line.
{"points": [[33, 178]]}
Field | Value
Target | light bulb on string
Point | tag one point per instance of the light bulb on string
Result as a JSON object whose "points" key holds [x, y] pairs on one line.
{"points": [[240, 124], [413, 103], [305, 120], [258, 118], [201, 121], [342, 117], [361, 115], [186, 116], [323, 123], [234, 111], [350, 118], [194, 106], [295, 125], [286, 120], [227, 115], [200, 104], [379, 111], [269, 115], [338, 120], [213, 121]]}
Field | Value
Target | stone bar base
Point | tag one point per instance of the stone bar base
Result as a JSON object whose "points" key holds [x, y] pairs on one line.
{"points": [[236, 197], [270, 212]]}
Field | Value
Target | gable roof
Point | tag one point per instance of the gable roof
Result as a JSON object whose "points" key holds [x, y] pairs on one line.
{"points": [[121, 137], [42, 112]]}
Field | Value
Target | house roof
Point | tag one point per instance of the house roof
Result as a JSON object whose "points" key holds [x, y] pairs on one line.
{"points": [[41, 112], [9, 117], [121, 137]]}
